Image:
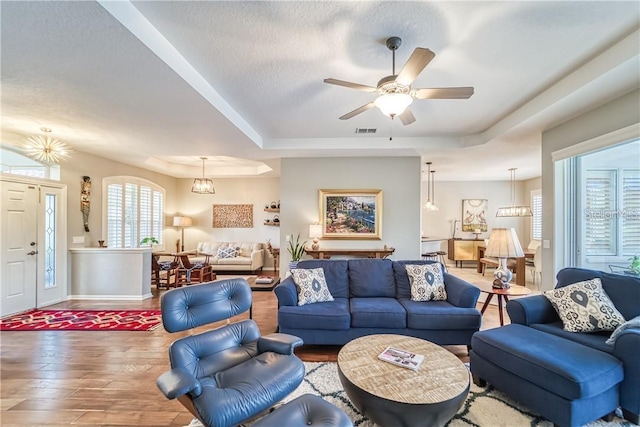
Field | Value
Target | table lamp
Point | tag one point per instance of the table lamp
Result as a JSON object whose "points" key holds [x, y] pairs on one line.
{"points": [[503, 244], [182, 221], [315, 232]]}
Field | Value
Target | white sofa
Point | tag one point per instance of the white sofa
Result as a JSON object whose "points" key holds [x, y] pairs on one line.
{"points": [[250, 256]]}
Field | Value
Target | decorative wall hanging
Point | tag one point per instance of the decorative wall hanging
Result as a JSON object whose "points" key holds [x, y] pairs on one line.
{"points": [[232, 216], [351, 214], [85, 204], [474, 215]]}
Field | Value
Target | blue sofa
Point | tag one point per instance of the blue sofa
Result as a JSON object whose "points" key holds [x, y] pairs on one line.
{"points": [[570, 378], [373, 296]]}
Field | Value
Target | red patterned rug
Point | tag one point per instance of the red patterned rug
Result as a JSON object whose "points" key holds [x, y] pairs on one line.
{"points": [[83, 320]]}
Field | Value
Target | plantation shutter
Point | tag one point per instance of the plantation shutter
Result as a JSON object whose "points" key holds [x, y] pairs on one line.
{"points": [[600, 204], [133, 211], [630, 212], [536, 219]]}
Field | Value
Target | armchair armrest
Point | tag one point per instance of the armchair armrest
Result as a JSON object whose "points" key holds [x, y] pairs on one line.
{"points": [[257, 259], [287, 293], [279, 343], [530, 310], [178, 382], [460, 292]]}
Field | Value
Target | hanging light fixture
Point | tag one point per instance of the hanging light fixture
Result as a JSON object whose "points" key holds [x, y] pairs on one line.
{"points": [[45, 149], [430, 205], [513, 210], [203, 185]]}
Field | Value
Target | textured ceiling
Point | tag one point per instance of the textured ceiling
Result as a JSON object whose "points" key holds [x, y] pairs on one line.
{"points": [[158, 84]]}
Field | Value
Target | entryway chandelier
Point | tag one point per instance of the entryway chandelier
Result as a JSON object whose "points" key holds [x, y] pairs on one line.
{"points": [[45, 149], [203, 185], [430, 205], [513, 210]]}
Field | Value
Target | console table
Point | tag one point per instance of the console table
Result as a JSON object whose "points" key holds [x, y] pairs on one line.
{"points": [[463, 250], [359, 253]]}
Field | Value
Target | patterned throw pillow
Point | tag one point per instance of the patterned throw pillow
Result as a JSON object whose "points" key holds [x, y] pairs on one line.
{"points": [[226, 252], [585, 307], [312, 286], [427, 283]]}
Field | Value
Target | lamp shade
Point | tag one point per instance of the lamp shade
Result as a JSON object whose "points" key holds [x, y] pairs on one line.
{"points": [[504, 243], [182, 221], [315, 231], [393, 104]]}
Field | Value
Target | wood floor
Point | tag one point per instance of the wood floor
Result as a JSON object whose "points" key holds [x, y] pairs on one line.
{"points": [[79, 378]]}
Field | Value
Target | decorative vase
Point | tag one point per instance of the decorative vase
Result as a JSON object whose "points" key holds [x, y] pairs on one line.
{"points": [[293, 265]]}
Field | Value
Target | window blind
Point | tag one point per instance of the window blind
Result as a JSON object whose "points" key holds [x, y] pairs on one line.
{"points": [[536, 219], [600, 204], [630, 212]]}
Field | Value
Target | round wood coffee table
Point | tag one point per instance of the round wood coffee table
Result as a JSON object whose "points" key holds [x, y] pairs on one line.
{"points": [[394, 396], [511, 291]]}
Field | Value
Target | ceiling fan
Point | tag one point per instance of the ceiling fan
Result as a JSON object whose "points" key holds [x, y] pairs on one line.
{"points": [[395, 93]]}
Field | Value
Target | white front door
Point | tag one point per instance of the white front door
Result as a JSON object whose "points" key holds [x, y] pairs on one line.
{"points": [[18, 247]]}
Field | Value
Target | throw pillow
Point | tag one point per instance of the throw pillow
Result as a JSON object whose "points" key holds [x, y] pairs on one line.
{"points": [[312, 286], [585, 307], [633, 323], [427, 283], [226, 252]]}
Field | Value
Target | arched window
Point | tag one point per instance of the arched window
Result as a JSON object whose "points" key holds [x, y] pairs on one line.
{"points": [[133, 209]]}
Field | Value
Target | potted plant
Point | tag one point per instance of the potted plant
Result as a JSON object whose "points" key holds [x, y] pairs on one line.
{"points": [[296, 250], [149, 241], [634, 266]]}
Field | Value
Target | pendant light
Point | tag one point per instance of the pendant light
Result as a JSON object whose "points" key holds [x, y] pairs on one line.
{"points": [[45, 149], [203, 185], [430, 205], [513, 210]]}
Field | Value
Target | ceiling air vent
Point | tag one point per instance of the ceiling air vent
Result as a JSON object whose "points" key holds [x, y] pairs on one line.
{"points": [[365, 130]]}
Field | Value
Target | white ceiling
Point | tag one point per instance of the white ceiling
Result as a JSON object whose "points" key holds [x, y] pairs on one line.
{"points": [[158, 84]]}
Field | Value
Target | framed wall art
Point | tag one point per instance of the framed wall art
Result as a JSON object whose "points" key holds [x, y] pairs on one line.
{"points": [[232, 216], [474, 215], [351, 214]]}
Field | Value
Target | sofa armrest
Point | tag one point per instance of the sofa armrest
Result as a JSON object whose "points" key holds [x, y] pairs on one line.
{"points": [[178, 382], [460, 292], [530, 310], [287, 293], [279, 343], [257, 259]]}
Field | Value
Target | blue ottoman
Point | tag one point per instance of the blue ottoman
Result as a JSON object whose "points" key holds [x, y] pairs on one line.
{"points": [[565, 382], [303, 411]]}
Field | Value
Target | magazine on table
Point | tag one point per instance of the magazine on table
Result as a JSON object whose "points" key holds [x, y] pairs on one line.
{"points": [[263, 280], [403, 358]]}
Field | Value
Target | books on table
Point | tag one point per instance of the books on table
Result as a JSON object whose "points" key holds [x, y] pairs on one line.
{"points": [[403, 358], [264, 280]]}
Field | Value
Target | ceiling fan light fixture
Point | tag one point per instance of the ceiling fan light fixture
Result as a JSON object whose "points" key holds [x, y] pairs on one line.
{"points": [[203, 185], [393, 104]]}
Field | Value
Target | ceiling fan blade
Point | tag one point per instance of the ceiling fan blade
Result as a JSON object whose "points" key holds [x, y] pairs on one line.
{"points": [[357, 111], [443, 93], [350, 85], [419, 59], [407, 117]]}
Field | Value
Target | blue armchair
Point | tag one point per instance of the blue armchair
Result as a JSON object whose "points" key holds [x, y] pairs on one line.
{"points": [[228, 375]]}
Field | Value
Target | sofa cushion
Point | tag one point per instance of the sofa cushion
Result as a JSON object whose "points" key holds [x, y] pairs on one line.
{"points": [[226, 252], [239, 260], [384, 313], [427, 283], [595, 340], [333, 315], [585, 307], [439, 315], [561, 366], [209, 248], [311, 285], [623, 290], [371, 278], [403, 286], [335, 274]]}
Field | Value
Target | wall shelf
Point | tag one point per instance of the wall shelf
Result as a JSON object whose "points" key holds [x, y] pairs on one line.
{"points": [[273, 224], [271, 210]]}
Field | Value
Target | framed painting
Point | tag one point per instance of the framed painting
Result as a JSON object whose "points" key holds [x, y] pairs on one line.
{"points": [[351, 214], [474, 215], [232, 216]]}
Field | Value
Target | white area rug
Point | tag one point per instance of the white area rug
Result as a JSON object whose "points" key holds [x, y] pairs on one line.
{"points": [[484, 407]]}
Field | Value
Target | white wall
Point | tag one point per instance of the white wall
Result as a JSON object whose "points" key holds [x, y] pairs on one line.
{"points": [[617, 114], [397, 177], [449, 196]]}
